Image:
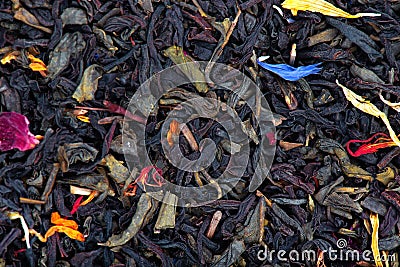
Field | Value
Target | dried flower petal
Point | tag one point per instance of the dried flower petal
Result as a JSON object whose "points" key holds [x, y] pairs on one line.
{"points": [[172, 132], [15, 132], [83, 118], [290, 73], [15, 215], [76, 205], [374, 243], [92, 195], [36, 63], [373, 147], [322, 7], [57, 220], [74, 234], [364, 105], [69, 227], [395, 106], [145, 179], [10, 56]]}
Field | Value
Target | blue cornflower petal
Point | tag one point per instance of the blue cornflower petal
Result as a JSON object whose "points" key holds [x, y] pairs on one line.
{"points": [[290, 73]]}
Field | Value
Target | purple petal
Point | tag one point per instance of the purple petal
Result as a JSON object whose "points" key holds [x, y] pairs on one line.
{"points": [[14, 132]]}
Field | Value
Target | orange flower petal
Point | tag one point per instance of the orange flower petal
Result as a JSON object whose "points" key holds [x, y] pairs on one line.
{"points": [[92, 195], [83, 118], [36, 64], [10, 56], [74, 234], [172, 132], [57, 220]]}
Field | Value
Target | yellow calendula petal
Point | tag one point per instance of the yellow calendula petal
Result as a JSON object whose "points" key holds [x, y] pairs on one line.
{"points": [[36, 64], [322, 7], [365, 106], [10, 56], [395, 106], [72, 233], [83, 118], [374, 243], [37, 67]]}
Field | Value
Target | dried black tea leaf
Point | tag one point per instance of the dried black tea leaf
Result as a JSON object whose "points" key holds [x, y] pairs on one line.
{"points": [[88, 85], [70, 46], [74, 16], [72, 153], [146, 208]]}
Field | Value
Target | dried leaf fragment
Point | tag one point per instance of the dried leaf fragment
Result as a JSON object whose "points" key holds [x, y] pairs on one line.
{"points": [[144, 212], [322, 7], [74, 16], [28, 18], [70, 46], [178, 56], [166, 216], [71, 153], [118, 171], [89, 83], [364, 105], [286, 146]]}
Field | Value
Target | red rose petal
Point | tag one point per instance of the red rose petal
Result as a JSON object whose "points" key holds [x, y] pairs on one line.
{"points": [[14, 132]]}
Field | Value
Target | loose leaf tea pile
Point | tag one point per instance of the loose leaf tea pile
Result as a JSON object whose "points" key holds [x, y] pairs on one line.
{"points": [[71, 189]]}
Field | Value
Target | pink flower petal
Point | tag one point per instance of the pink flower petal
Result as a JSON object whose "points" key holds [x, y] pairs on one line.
{"points": [[14, 132]]}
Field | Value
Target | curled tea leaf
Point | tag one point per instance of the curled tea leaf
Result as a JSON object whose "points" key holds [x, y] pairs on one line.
{"points": [[322, 7], [290, 73], [145, 210], [178, 56], [88, 85], [69, 154], [15, 132], [28, 18], [70, 46], [74, 16]]}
